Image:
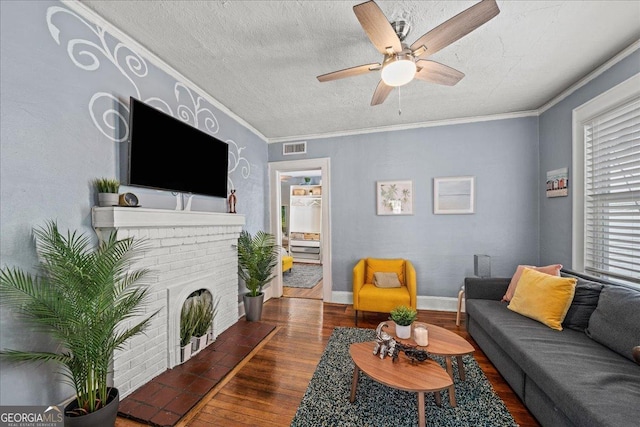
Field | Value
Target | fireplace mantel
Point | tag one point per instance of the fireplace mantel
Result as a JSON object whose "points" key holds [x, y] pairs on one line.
{"points": [[123, 217]]}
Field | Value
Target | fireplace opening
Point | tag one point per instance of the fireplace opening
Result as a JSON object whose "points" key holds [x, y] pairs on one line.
{"points": [[197, 317]]}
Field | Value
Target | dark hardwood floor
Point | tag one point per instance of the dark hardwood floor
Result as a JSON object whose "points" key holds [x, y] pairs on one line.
{"points": [[266, 390]]}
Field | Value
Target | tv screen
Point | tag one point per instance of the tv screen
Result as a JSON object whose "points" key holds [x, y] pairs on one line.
{"points": [[168, 154]]}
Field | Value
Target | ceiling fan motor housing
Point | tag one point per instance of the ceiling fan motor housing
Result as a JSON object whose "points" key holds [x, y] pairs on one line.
{"points": [[402, 29]]}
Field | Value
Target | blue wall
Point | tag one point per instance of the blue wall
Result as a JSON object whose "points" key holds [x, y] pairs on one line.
{"points": [[54, 142], [555, 152], [501, 154]]}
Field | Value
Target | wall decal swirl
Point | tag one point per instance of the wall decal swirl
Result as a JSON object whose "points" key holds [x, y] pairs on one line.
{"points": [[108, 111]]}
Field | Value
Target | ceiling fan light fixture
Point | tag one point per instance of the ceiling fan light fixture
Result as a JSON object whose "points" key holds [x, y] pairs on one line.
{"points": [[398, 70]]}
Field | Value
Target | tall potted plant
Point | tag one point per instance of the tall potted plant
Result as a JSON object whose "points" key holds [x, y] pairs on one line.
{"points": [[257, 258], [107, 191], [82, 297]]}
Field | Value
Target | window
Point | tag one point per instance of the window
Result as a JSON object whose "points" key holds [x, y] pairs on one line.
{"points": [[607, 144]]}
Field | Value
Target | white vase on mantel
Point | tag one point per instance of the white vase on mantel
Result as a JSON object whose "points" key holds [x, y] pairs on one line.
{"points": [[108, 199], [403, 332]]}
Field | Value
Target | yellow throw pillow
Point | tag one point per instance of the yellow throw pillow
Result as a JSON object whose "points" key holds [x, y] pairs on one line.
{"points": [[543, 297]]}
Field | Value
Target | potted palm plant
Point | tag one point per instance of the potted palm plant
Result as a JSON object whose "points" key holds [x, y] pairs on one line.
{"points": [[257, 258], [107, 191], [83, 297], [403, 317]]}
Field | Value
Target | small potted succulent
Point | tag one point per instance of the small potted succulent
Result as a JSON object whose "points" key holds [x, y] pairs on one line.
{"points": [[403, 317], [107, 191]]}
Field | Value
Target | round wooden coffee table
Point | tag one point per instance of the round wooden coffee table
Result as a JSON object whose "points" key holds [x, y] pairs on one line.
{"points": [[421, 377], [442, 342]]}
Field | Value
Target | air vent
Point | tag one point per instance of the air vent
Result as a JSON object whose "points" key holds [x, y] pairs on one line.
{"points": [[290, 148]]}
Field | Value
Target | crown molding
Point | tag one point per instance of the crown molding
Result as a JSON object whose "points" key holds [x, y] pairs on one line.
{"points": [[93, 17], [591, 76], [447, 122]]}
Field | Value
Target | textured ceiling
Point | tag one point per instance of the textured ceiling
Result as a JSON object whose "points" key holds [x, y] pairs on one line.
{"points": [[260, 59]]}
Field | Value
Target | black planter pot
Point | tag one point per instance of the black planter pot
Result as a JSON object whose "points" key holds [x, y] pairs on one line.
{"points": [[253, 307], [104, 417]]}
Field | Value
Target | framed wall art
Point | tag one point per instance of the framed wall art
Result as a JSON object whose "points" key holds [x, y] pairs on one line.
{"points": [[394, 197], [454, 195], [558, 183]]}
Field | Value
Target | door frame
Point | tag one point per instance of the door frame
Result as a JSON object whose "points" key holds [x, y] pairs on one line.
{"points": [[276, 169]]}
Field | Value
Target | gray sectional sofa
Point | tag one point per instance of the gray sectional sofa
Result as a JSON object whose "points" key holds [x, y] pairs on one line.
{"points": [[584, 375]]}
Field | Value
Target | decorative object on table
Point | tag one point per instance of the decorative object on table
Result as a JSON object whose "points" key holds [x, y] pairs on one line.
{"points": [[558, 183], [75, 279], [394, 197], [107, 191], [482, 265], [413, 354], [257, 259], [421, 334], [232, 201], [385, 344], [326, 400], [129, 200], [403, 317], [454, 195]]}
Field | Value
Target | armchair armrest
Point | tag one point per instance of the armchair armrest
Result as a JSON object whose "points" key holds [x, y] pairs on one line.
{"points": [[412, 283], [492, 288], [358, 281]]}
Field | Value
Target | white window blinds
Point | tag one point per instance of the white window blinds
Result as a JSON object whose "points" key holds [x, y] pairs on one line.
{"points": [[612, 194]]}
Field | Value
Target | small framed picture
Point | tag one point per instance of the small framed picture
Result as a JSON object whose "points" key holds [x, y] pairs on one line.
{"points": [[454, 195], [395, 198]]}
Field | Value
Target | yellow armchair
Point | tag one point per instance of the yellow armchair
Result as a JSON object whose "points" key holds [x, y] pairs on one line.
{"points": [[369, 297], [287, 260]]}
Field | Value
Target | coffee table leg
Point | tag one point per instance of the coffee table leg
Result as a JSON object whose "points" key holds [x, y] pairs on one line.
{"points": [[460, 368], [436, 394], [421, 416], [354, 384], [452, 390]]}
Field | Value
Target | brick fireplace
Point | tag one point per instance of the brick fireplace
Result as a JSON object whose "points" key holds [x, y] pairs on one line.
{"points": [[186, 251]]}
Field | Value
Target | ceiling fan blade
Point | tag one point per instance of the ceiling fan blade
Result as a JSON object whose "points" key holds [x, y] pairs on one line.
{"points": [[457, 27], [381, 93], [349, 72], [377, 27], [435, 72]]}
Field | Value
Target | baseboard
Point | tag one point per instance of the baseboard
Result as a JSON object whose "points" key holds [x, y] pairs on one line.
{"points": [[424, 302]]}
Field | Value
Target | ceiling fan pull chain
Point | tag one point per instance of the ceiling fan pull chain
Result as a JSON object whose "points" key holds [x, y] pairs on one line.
{"points": [[399, 106]]}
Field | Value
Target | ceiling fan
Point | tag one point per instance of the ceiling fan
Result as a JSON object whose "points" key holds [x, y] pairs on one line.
{"points": [[402, 63]]}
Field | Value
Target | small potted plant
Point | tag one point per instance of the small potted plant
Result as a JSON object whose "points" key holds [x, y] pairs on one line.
{"points": [[186, 329], [204, 313], [107, 191], [403, 317], [257, 258]]}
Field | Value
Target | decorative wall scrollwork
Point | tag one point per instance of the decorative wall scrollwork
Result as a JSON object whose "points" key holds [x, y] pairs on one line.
{"points": [[109, 112]]}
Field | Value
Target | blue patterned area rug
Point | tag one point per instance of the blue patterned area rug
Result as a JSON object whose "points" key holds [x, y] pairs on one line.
{"points": [[326, 401], [302, 276]]}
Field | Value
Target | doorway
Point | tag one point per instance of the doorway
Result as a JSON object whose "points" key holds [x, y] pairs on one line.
{"points": [[302, 186]]}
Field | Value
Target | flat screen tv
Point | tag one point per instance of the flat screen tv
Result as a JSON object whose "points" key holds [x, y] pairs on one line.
{"points": [[168, 154]]}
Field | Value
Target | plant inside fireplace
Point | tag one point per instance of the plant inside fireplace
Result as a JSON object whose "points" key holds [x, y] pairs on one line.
{"points": [[87, 298]]}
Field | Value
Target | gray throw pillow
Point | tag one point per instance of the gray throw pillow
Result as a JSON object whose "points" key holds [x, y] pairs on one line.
{"points": [[584, 303], [615, 322]]}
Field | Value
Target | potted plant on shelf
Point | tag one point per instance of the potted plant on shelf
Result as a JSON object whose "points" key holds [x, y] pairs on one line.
{"points": [[257, 258], [84, 298], [403, 317], [107, 191]]}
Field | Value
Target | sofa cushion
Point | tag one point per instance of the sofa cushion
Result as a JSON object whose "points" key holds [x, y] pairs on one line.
{"points": [[584, 303], [616, 320], [553, 270], [373, 265], [543, 297]]}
